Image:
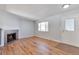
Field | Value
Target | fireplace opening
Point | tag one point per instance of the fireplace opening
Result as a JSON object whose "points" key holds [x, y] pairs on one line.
{"points": [[11, 37]]}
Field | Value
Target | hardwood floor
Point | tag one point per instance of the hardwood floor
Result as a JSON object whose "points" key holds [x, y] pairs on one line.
{"points": [[38, 46]]}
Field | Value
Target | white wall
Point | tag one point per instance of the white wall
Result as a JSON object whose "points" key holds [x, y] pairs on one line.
{"points": [[56, 28], [71, 37], [10, 21], [26, 28]]}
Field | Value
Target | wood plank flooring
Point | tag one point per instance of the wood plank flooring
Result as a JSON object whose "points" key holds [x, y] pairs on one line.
{"points": [[38, 46]]}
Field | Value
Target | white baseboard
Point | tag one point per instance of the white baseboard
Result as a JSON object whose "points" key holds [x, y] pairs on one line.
{"points": [[26, 36], [59, 41]]}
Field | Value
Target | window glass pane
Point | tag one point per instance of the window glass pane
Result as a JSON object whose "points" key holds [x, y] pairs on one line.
{"points": [[39, 26], [46, 26], [69, 25], [42, 26]]}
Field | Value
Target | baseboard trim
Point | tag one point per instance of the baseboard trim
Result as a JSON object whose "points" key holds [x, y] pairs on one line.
{"points": [[26, 37], [47, 39], [58, 41]]}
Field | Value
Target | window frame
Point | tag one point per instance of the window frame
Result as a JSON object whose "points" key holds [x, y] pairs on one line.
{"points": [[45, 26], [71, 25]]}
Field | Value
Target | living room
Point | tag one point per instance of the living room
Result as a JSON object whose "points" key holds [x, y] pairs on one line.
{"points": [[39, 29]]}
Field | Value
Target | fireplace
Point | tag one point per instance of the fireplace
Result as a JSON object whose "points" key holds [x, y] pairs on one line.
{"points": [[11, 37]]}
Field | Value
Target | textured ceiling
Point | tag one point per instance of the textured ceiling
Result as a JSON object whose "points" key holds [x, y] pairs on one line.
{"points": [[38, 11]]}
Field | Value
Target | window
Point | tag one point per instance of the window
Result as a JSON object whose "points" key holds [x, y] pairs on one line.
{"points": [[69, 24], [43, 26]]}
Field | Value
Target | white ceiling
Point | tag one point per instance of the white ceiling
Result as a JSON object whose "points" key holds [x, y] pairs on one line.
{"points": [[38, 11]]}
